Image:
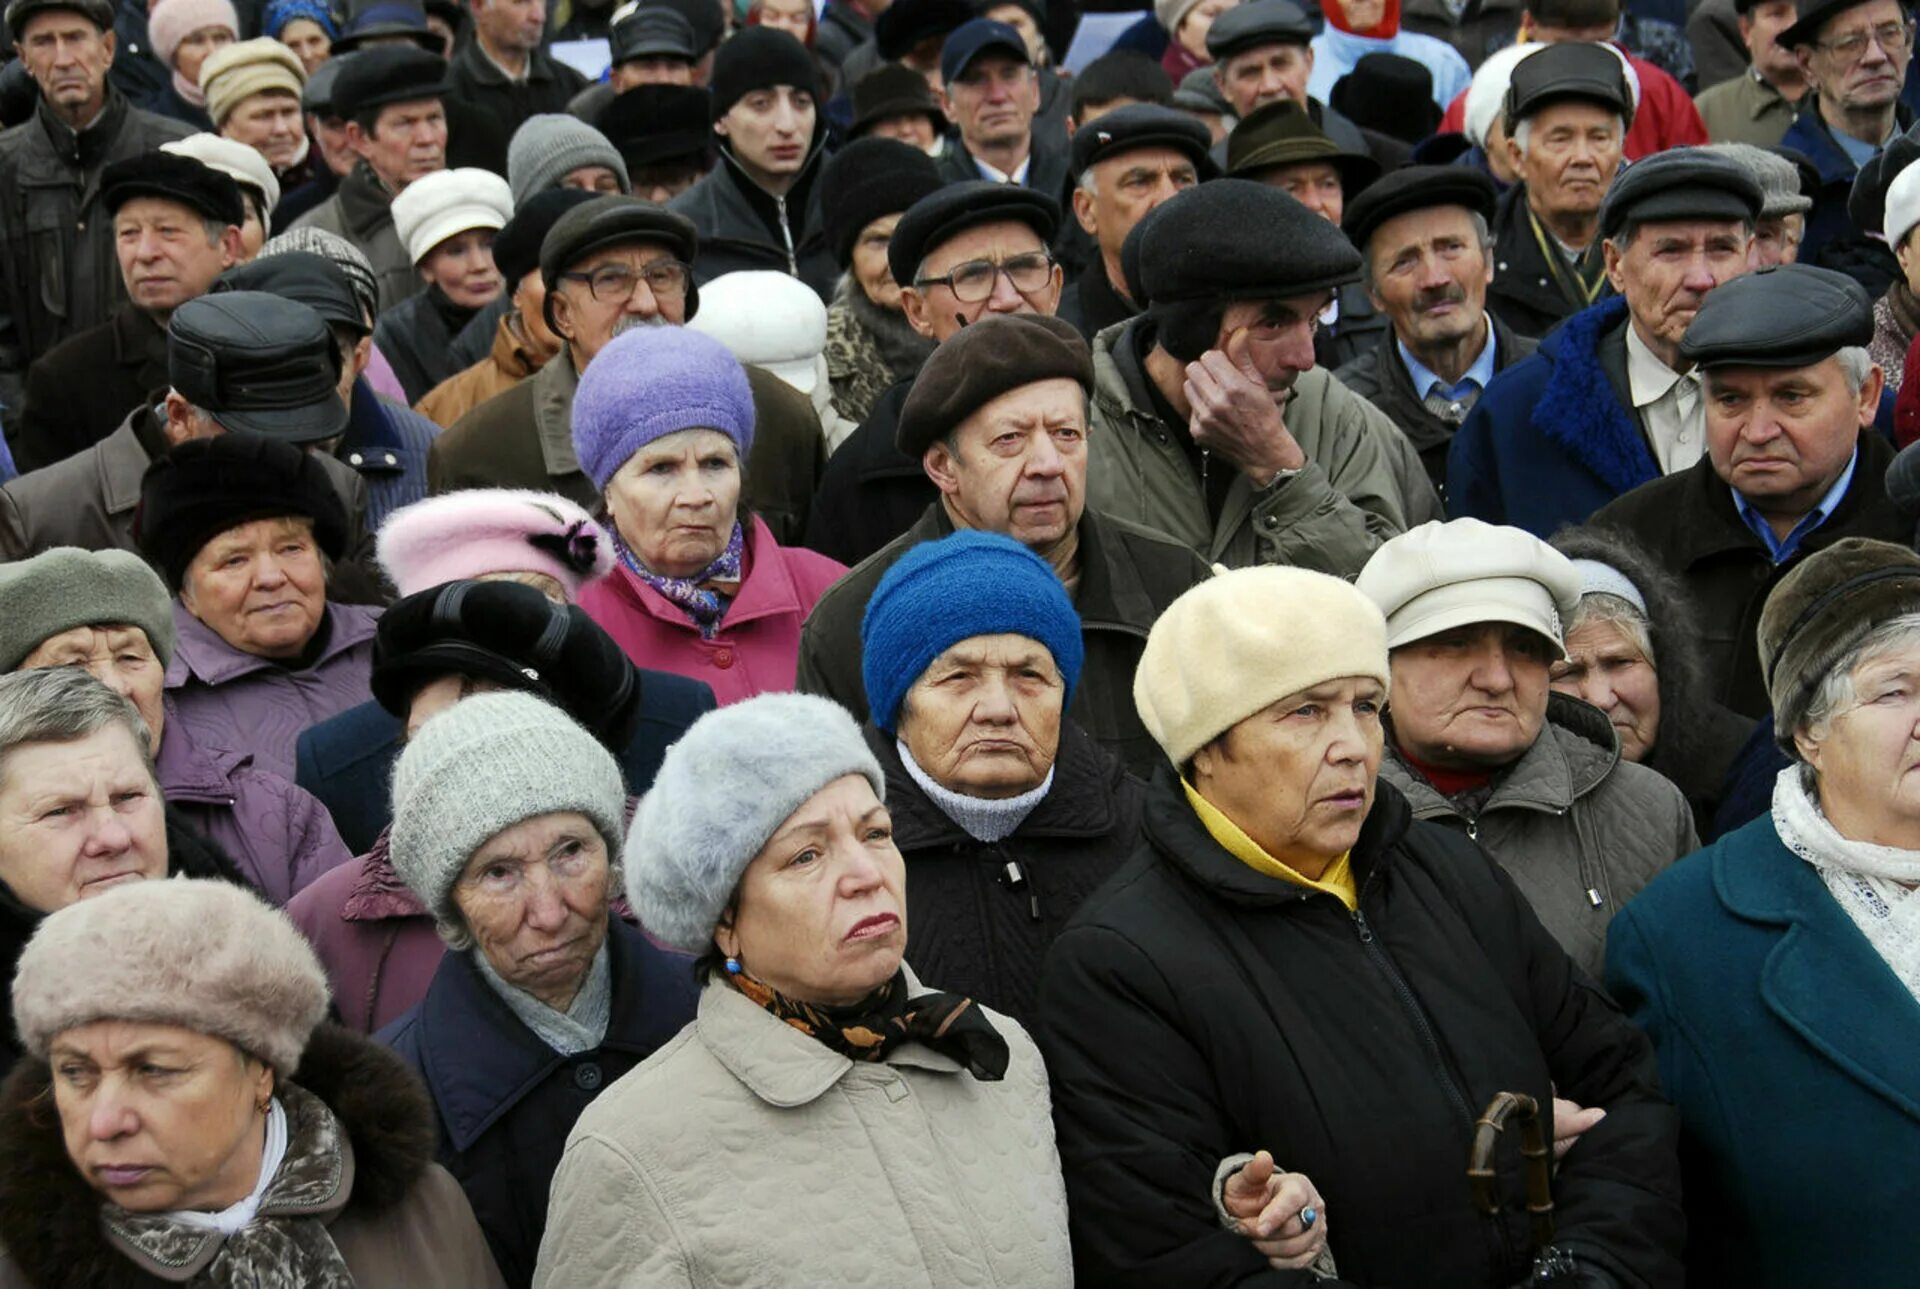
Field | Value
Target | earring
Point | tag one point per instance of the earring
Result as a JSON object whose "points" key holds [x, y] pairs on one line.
{"points": [[733, 966]]}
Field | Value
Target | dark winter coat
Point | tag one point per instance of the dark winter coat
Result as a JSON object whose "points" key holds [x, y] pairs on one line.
{"points": [[1828, 223], [1128, 576], [1048, 170], [1710, 757], [1687, 521], [1524, 294], [484, 91], [396, 1218], [1355, 332], [1090, 302], [505, 1101], [167, 102], [1747, 792], [1793, 1056], [387, 445], [416, 335], [1196, 1009], [983, 913], [83, 387], [361, 210], [870, 491], [742, 226], [841, 31]]}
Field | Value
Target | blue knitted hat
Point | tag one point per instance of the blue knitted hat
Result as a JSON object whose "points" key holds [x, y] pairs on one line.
{"points": [[940, 593], [651, 382]]}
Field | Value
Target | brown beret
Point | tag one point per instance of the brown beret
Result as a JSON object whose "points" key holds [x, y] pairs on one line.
{"points": [[982, 361]]}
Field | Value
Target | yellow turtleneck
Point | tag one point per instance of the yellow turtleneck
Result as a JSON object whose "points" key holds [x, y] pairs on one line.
{"points": [[1336, 881]]}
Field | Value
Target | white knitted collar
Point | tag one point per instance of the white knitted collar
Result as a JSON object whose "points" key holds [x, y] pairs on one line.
{"points": [[981, 819]]}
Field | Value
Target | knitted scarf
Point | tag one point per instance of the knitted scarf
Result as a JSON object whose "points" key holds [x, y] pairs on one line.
{"points": [[187, 90], [582, 1027], [981, 818], [903, 349], [704, 597], [869, 1029]]}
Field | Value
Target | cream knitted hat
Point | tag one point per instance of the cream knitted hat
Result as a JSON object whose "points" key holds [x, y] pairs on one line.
{"points": [[245, 68]]}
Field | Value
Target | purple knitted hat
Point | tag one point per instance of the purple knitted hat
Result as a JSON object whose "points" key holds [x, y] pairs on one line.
{"points": [[654, 381]]}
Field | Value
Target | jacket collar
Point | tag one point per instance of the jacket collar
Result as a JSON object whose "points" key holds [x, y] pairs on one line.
{"points": [[190, 772], [1583, 407], [84, 148], [1080, 804], [203, 656], [365, 203], [378, 893], [553, 388], [475, 62], [1576, 751], [766, 587], [121, 463], [1823, 980], [513, 356], [138, 339], [1712, 524]]}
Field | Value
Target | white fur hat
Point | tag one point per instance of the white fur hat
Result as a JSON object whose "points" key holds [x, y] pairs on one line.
{"points": [[767, 319], [244, 165], [435, 207]]}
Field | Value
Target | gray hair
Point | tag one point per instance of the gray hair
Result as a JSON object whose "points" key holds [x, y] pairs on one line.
{"points": [[63, 705], [1603, 606], [1480, 231], [1856, 364], [1835, 693], [1521, 132], [1087, 183]]}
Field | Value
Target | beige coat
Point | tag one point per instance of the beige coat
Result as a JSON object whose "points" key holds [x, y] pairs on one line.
{"points": [[745, 1153]]}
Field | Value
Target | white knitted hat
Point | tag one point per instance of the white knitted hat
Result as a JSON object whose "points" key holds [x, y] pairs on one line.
{"points": [[435, 207]]}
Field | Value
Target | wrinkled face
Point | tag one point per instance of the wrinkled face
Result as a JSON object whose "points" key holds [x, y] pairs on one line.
{"points": [[654, 69], [1667, 269], [660, 184], [119, 657], [166, 257], [1867, 755], [462, 266], [194, 48], [1279, 335], [994, 100], [1265, 74], [1573, 151], [159, 1118], [1776, 239], [591, 306], [1760, 29], [770, 131], [934, 310], [261, 587], [1606, 667], [529, 302], [1018, 464], [675, 501], [870, 268], [1199, 20], [79, 818], [511, 26], [1298, 776], [534, 898], [1781, 437], [1474, 697], [1016, 17], [1430, 275], [1126, 188], [1314, 184], [795, 17], [821, 912], [308, 41], [269, 123], [409, 141], [983, 719], [68, 57], [1859, 62], [914, 128], [595, 179], [336, 147]]}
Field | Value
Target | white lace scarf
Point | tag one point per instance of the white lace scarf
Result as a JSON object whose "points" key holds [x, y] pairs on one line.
{"points": [[1878, 886]]}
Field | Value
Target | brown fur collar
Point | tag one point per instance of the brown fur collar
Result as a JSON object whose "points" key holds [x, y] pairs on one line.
{"points": [[50, 1217]]}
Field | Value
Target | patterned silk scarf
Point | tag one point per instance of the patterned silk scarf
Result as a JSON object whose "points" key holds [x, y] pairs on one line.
{"points": [[867, 1030], [704, 597]]}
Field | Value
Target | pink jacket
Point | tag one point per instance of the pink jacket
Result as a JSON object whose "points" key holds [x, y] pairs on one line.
{"points": [[757, 649]]}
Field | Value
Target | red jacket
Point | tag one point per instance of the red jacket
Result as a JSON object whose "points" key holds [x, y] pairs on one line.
{"points": [[1666, 118]]}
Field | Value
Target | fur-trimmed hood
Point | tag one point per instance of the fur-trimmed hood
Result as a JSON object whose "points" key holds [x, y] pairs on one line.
{"points": [[50, 1227], [1580, 409]]}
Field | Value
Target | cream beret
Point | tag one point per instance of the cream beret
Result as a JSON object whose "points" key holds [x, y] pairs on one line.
{"points": [[1444, 575], [432, 209], [244, 165], [247, 67], [1245, 639]]}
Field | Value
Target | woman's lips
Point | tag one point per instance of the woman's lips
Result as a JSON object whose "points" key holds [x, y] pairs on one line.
{"points": [[122, 1175], [869, 928], [1353, 800]]}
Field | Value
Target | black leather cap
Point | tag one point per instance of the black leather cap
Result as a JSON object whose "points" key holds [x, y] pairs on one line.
{"points": [[1197, 246], [997, 354], [204, 487], [1681, 183], [957, 207], [388, 74], [653, 31], [975, 37], [703, 16], [1585, 72], [1143, 125], [651, 124], [259, 364], [1263, 22], [167, 175], [1416, 188], [306, 278], [1282, 134], [1789, 315], [610, 220], [514, 636]]}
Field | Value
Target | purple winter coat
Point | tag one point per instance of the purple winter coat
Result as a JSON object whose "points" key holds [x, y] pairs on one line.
{"points": [[277, 834], [229, 699], [373, 937]]}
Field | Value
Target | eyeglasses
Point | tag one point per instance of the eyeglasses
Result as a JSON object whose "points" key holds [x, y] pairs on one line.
{"points": [[973, 281], [616, 283], [1894, 37]]}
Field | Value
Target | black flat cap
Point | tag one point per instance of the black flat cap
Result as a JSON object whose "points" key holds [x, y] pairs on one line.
{"points": [[204, 487], [982, 361], [516, 248], [1389, 93], [515, 637], [893, 90], [1417, 188], [651, 124], [97, 12], [702, 15], [1867, 200], [167, 175], [388, 74], [317, 97], [387, 19], [1789, 315], [259, 363], [1806, 28], [905, 23], [1197, 246], [1681, 183], [956, 208], [653, 31], [1263, 22], [609, 220], [1588, 73], [1143, 125], [305, 278], [1282, 134]]}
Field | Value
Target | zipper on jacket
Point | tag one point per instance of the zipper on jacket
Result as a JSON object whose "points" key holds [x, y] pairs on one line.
{"points": [[786, 234], [1014, 878]]}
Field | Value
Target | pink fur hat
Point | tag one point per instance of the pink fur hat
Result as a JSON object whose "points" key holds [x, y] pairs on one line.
{"points": [[493, 530]]}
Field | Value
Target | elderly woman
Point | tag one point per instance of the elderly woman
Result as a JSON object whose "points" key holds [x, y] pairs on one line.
{"points": [[662, 424], [508, 821], [827, 1119], [871, 347], [1187, 23], [186, 1119], [107, 613], [1630, 653], [80, 811], [1008, 815], [182, 34], [245, 529], [1292, 968], [1896, 316], [1775, 970], [307, 27], [447, 221]]}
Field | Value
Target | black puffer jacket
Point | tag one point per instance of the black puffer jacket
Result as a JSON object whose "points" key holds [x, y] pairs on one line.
{"points": [[980, 915], [1196, 1009]]}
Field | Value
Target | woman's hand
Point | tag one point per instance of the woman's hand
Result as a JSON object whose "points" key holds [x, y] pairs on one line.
{"points": [[1569, 1121], [1280, 1212]]}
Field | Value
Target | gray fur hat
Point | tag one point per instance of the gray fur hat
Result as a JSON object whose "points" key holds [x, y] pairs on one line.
{"points": [[728, 785], [66, 587], [207, 956], [482, 766]]}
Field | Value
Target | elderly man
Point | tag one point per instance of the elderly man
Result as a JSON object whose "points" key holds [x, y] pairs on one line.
{"points": [[1292, 972], [1477, 742], [1609, 401], [397, 126], [176, 227], [1783, 206], [1567, 111], [651, 45], [1426, 259], [1757, 106], [1262, 53], [1134, 159], [992, 95], [253, 90], [998, 419], [56, 243], [1788, 470], [1215, 426], [1856, 55], [502, 71], [607, 264], [962, 253]]}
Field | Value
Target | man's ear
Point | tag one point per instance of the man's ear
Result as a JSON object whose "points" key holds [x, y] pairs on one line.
{"points": [[560, 313], [1083, 211], [941, 467], [1613, 255], [231, 251], [914, 306]]}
